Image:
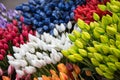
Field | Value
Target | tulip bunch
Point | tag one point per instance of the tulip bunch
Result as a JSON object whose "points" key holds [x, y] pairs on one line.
{"points": [[85, 12], [68, 71], [97, 45], [44, 14], [6, 15], [12, 36]]}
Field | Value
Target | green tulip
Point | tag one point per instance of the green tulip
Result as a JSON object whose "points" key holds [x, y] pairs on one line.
{"points": [[92, 26], [103, 38], [72, 58], [114, 2], [83, 52], [100, 30], [94, 62], [96, 17], [85, 36], [109, 19], [113, 58], [115, 52], [91, 49], [103, 67], [104, 22], [90, 55], [78, 57], [117, 37], [102, 7], [98, 57], [79, 44], [65, 53], [72, 51], [112, 42], [114, 8], [106, 59], [81, 24], [72, 37], [98, 48], [115, 18], [76, 33], [111, 30], [111, 66], [117, 64], [99, 71], [105, 49], [108, 76], [96, 34]]}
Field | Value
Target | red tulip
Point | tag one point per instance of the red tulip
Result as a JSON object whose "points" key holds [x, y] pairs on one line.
{"points": [[1, 57], [6, 46], [15, 22], [3, 52]]}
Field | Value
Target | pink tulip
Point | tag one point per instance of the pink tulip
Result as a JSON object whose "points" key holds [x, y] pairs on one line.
{"points": [[1, 72], [10, 70]]}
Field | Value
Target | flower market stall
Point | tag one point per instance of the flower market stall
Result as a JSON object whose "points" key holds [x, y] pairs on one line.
{"points": [[60, 40]]}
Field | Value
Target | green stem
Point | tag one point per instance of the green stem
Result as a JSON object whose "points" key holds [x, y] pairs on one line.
{"points": [[53, 67]]}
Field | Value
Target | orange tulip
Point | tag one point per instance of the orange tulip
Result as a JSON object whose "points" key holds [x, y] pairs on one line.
{"points": [[55, 77], [88, 72], [63, 76], [52, 72], [5, 78], [35, 79], [62, 68], [76, 69], [45, 77]]}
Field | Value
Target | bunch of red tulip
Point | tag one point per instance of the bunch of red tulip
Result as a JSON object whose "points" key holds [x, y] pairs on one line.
{"points": [[85, 12]]}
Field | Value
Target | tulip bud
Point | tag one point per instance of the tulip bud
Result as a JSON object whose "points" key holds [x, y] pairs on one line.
{"points": [[96, 34], [72, 58], [99, 30], [6, 47], [98, 57], [91, 49], [106, 59], [35, 79], [98, 47], [62, 68], [63, 76], [117, 64], [94, 62], [104, 22], [10, 70], [69, 25], [72, 37], [115, 18], [3, 52], [1, 72], [76, 33], [90, 55], [109, 19], [99, 71], [105, 49], [103, 67], [45, 77], [77, 69], [69, 66], [108, 76], [78, 57], [88, 73], [102, 7], [65, 53], [96, 17], [28, 77], [5, 78], [117, 36], [81, 24], [79, 44], [104, 38], [115, 52], [114, 8], [87, 27], [83, 52], [113, 58], [72, 51], [85, 36], [92, 26], [111, 66], [111, 30]]}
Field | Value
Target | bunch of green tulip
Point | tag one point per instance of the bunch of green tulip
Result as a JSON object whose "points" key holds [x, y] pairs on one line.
{"points": [[98, 44]]}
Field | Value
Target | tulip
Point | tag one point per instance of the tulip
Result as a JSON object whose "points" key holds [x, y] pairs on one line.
{"points": [[1, 72], [62, 68], [5, 78], [10, 70], [63, 76]]}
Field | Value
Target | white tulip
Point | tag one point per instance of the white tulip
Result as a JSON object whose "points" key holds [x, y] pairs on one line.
{"points": [[69, 25], [32, 50], [17, 56], [30, 69], [20, 73], [16, 49], [22, 63], [10, 58], [39, 55], [15, 64], [55, 32], [62, 27]]}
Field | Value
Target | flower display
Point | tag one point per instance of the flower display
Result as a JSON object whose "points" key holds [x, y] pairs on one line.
{"points": [[60, 40]]}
